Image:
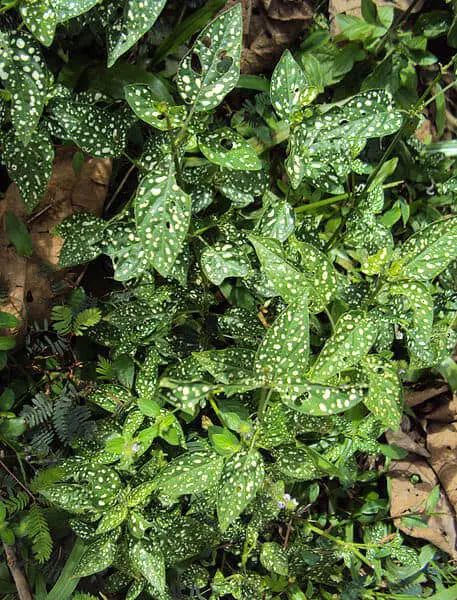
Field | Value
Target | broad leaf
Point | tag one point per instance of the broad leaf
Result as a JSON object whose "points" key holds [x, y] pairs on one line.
{"points": [[283, 355], [274, 558], [296, 464], [145, 105], [355, 332], [224, 260], [241, 478], [149, 561], [289, 89], [320, 400], [277, 221], [66, 10], [190, 474], [98, 556], [137, 19], [29, 166], [384, 391], [227, 148], [123, 245], [112, 518], [81, 232], [241, 188], [230, 365], [162, 215], [40, 18], [210, 70]]}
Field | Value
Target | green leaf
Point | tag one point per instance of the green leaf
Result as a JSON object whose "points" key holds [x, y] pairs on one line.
{"points": [[162, 215], [66, 10], [227, 148], [289, 88], [123, 245], [149, 561], [230, 365], [320, 400], [384, 392], [7, 343], [224, 260], [224, 441], [274, 558], [8, 321], [29, 166], [283, 355], [240, 480], [369, 11], [296, 464], [40, 18], [146, 379], [241, 187], [288, 281], [428, 252], [98, 556], [210, 70], [81, 232], [355, 332], [112, 519], [277, 221], [143, 102], [190, 474], [137, 19], [24, 74], [73, 498], [432, 499]]}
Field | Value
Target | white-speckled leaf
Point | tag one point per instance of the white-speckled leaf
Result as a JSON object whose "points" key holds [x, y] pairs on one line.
{"points": [[40, 18], [241, 478], [138, 18], [320, 400], [162, 215], [211, 69], [283, 355], [384, 391], [355, 332], [68, 9], [289, 88], [230, 365], [190, 473], [278, 219], [82, 233], [30, 166], [224, 260], [159, 114], [227, 148], [112, 518], [98, 556], [274, 558], [241, 188], [149, 561], [123, 245]]}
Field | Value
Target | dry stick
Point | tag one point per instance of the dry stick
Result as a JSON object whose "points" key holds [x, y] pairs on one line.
{"points": [[20, 580], [119, 188]]}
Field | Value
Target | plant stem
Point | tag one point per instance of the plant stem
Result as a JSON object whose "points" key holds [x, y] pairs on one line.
{"points": [[346, 545], [20, 580]]}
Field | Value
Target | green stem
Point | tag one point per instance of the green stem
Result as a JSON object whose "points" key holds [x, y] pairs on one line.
{"points": [[215, 408], [9, 6], [347, 545]]}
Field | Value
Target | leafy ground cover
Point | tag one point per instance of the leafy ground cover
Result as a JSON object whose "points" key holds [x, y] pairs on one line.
{"points": [[215, 405]]}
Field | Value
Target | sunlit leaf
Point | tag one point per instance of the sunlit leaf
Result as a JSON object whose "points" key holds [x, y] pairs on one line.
{"points": [[229, 149]]}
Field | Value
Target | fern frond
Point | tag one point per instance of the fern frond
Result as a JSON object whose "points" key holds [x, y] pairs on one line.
{"points": [[39, 412], [105, 369], [85, 319], [42, 440], [15, 504], [77, 299], [62, 317], [79, 423], [60, 418], [37, 530], [44, 479]]}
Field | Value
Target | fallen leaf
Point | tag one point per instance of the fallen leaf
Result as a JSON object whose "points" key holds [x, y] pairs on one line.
{"points": [[413, 398], [404, 440], [444, 411], [442, 444]]}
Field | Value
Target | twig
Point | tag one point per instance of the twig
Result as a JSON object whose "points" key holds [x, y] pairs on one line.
{"points": [[119, 188], [286, 537], [20, 580], [11, 474]]}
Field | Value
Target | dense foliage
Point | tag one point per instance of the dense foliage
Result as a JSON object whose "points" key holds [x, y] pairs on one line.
{"points": [[212, 425]]}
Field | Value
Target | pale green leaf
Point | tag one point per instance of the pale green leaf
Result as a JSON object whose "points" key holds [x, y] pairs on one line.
{"points": [[224, 260], [98, 556], [274, 558]]}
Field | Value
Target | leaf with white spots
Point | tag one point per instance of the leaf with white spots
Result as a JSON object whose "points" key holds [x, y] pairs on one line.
{"points": [[287, 280], [149, 561], [419, 331], [24, 74], [97, 131], [241, 187], [384, 398], [40, 18], [30, 166], [241, 478], [428, 252], [296, 464], [112, 519], [146, 379], [290, 88], [162, 215], [277, 221], [156, 154], [187, 395], [190, 473], [68, 496], [224, 260], [82, 233], [355, 333], [159, 114], [320, 400], [138, 18], [69, 9], [283, 355], [274, 558], [110, 397], [230, 365], [227, 148], [98, 556], [211, 68], [123, 245]]}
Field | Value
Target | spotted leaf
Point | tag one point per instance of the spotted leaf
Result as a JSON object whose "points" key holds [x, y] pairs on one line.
{"points": [[355, 332], [137, 19], [274, 558], [210, 70], [135, 590], [277, 221], [40, 18], [112, 519], [320, 400], [384, 391], [227, 148], [156, 153], [66, 10], [110, 397], [240, 480], [145, 105], [190, 474], [141, 493], [24, 74], [146, 379], [428, 252], [162, 215], [123, 245], [283, 355], [29, 166], [287, 280], [224, 260], [98, 556], [81, 233], [296, 464], [230, 365], [241, 187], [290, 89], [73, 498]]}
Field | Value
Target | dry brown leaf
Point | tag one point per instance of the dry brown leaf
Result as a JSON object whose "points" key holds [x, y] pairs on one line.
{"points": [[407, 442], [414, 398], [442, 443], [29, 280], [408, 498], [269, 27], [444, 412]]}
